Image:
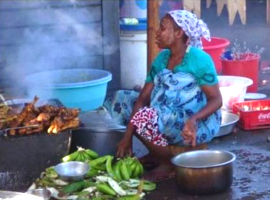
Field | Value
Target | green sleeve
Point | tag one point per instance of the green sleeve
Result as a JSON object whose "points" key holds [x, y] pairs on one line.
{"points": [[206, 71], [158, 64]]}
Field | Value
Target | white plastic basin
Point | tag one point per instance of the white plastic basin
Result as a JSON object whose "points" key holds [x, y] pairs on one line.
{"points": [[233, 89]]}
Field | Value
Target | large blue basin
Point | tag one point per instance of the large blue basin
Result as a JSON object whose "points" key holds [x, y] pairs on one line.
{"points": [[75, 88]]}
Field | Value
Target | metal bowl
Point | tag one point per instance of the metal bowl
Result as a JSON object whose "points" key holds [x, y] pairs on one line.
{"points": [[72, 171], [204, 171], [228, 123], [43, 193]]}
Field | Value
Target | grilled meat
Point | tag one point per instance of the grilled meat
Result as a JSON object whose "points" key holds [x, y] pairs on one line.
{"points": [[39, 119]]}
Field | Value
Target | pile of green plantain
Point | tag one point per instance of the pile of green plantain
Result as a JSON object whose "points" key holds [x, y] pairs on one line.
{"points": [[108, 179]]}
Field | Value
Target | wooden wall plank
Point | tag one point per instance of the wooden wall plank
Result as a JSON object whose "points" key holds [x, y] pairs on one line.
{"points": [[14, 5], [66, 49], [153, 21], [63, 33], [11, 75], [268, 11], [49, 17], [111, 43], [67, 36]]}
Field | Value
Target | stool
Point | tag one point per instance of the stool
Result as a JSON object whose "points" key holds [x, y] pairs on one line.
{"points": [[175, 150], [193, 6]]}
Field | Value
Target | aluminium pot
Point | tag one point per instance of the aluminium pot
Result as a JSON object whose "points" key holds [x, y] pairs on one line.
{"points": [[204, 172], [23, 158], [102, 140]]}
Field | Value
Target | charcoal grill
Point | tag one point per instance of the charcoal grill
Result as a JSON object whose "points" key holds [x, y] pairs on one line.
{"points": [[23, 158]]}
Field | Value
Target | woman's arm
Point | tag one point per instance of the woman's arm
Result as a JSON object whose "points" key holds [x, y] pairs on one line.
{"points": [[214, 102], [124, 146]]}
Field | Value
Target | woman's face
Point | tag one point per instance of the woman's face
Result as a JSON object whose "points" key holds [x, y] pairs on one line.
{"points": [[165, 35]]}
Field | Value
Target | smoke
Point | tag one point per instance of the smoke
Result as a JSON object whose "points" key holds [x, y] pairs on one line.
{"points": [[46, 36]]}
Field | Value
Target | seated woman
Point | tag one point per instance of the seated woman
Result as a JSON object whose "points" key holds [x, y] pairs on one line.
{"points": [[180, 101]]}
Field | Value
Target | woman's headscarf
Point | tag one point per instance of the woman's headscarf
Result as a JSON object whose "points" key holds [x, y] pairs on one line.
{"points": [[193, 27]]}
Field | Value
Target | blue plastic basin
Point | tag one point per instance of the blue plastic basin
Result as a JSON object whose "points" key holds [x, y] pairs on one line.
{"points": [[75, 88]]}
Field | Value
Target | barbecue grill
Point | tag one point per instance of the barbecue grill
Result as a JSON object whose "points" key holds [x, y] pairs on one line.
{"points": [[23, 158]]}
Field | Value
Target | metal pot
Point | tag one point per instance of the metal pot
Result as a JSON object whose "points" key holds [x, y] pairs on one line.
{"points": [[23, 158], [103, 141], [204, 171]]}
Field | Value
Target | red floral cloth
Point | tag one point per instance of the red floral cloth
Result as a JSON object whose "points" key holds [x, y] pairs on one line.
{"points": [[146, 122]]}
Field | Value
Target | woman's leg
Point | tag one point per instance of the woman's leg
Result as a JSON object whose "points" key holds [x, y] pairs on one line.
{"points": [[160, 155]]}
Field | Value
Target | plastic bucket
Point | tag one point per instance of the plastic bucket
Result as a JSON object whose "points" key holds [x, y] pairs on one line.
{"points": [[133, 48], [75, 88], [233, 89], [248, 67], [133, 9], [215, 48]]}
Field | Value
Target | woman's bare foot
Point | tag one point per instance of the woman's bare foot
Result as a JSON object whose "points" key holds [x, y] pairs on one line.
{"points": [[149, 161], [164, 169], [162, 172]]}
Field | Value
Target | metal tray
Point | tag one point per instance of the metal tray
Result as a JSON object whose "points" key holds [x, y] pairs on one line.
{"points": [[228, 123]]}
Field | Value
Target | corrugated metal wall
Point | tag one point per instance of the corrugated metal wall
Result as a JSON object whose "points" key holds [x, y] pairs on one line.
{"points": [[47, 34]]}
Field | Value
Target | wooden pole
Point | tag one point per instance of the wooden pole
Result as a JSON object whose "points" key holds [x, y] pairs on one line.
{"points": [[268, 11], [152, 26]]}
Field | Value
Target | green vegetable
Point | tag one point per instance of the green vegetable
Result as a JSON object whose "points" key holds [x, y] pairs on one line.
{"points": [[130, 197], [83, 194], [46, 182], [149, 186], [71, 157], [73, 187], [105, 189], [103, 198], [116, 169], [51, 173], [109, 167], [92, 172], [89, 183], [99, 163], [91, 153], [124, 170]]}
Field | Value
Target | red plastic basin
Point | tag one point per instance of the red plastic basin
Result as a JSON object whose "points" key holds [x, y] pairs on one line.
{"points": [[215, 48]]}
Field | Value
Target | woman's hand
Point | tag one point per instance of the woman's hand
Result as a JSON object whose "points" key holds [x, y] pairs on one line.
{"points": [[189, 132], [124, 148]]}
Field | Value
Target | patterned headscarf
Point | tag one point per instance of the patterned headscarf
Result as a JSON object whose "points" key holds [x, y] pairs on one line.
{"points": [[193, 27]]}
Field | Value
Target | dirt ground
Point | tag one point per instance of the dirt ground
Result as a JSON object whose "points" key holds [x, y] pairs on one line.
{"points": [[251, 169]]}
